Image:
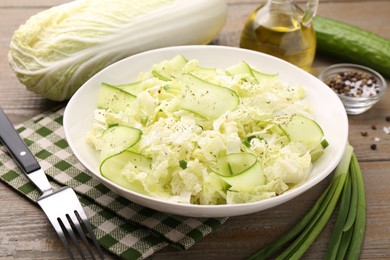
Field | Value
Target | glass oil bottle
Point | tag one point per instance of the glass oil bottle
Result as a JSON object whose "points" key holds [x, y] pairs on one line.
{"points": [[282, 29]]}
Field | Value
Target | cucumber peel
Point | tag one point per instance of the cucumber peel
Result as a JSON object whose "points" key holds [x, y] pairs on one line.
{"points": [[206, 99], [119, 138], [255, 76], [169, 69], [242, 171], [352, 44], [112, 167], [113, 98]]}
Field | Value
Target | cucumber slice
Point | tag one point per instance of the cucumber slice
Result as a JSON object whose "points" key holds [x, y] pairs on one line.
{"points": [[269, 129], [206, 99], [169, 69], [301, 129], [242, 68], [264, 78], [254, 75], [204, 73], [112, 167], [305, 130], [133, 88], [113, 98], [235, 164], [241, 171], [119, 138]]}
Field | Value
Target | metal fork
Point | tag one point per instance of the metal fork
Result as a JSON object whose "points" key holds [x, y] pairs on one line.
{"points": [[62, 206]]}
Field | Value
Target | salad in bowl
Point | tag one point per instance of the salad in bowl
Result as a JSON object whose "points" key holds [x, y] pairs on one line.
{"points": [[195, 138]]}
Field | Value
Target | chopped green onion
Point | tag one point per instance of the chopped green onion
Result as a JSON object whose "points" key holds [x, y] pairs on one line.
{"points": [[247, 141], [324, 143], [183, 164]]}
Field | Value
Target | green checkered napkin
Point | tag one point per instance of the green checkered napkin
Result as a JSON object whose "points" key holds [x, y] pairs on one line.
{"points": [[121, 226]]}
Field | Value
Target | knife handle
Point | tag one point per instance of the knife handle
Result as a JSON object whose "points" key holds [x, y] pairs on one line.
{"points": [[17, 148]]}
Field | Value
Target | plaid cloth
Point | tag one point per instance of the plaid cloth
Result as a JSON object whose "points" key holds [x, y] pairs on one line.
{"points": [[127, 229]]}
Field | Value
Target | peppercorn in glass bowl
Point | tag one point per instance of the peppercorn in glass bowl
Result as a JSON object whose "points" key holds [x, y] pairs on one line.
{"points": [[358, 87]]}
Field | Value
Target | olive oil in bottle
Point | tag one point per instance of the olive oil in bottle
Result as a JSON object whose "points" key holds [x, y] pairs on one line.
{"points": [[277, 28]]}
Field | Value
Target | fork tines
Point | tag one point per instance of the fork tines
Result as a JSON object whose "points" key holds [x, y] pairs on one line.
{"points": [[71, 224]]}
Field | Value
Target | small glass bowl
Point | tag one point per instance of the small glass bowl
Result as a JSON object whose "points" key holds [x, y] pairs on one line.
{"points": [[363, 89]]}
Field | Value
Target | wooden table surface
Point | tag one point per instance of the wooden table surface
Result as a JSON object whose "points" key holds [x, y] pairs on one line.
{"points": [[26, 234]]}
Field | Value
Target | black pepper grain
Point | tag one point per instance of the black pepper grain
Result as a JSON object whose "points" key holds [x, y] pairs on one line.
{"points": [[373, 127], [387, 118], [373, 147]]}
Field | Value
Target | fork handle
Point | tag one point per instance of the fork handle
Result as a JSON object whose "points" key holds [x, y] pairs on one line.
{"points": [[17, 148]]}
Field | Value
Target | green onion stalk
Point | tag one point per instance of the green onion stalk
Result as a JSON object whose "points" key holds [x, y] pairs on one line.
{"points": [[347, 190]]}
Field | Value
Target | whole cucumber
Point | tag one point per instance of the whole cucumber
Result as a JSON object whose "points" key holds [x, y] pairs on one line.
{"points": [[352, 44]]}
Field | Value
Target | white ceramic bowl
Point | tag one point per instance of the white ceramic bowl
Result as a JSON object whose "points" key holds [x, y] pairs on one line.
{"points": [[327, 108]]}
